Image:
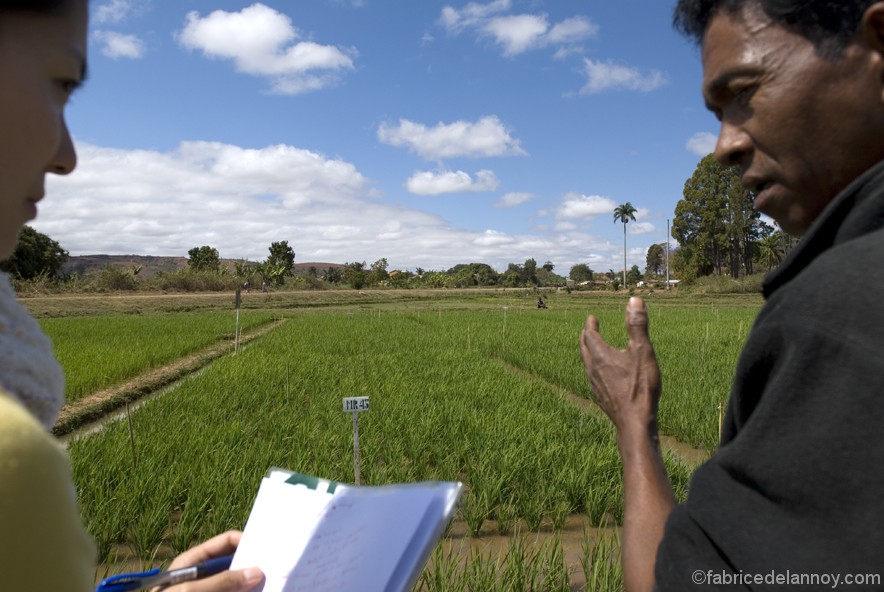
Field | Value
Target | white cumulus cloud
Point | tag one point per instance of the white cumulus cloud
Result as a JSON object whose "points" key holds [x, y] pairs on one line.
{"points": [[240, 199], [584, 206], [113, 12], [702, 143], [602, 76], [437, 183], [640, 228], [513, 199], [573, 29], [263, 42], [472, 15], [493, 238], [484, 138], [516, 33], [117, 45]]}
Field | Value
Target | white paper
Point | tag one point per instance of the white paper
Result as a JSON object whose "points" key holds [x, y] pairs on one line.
{"points": [[359, 538]]}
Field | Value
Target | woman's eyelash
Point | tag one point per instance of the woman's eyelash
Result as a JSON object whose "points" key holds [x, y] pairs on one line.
{"points": [[69, 85]]}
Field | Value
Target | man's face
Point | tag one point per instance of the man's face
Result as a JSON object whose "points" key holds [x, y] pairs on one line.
{"points": [[801, 127]]}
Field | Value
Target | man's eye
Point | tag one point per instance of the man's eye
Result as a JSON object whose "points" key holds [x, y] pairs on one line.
{"points": [[743, 95]]}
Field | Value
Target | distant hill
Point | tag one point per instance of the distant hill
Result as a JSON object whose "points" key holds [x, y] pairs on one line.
{"points": [[151, 265]]}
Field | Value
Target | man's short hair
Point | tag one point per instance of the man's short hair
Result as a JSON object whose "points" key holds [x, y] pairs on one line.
{"points": [[829, 24]]}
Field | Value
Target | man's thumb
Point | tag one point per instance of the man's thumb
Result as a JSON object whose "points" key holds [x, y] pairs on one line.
{"points": [[636, 320]]}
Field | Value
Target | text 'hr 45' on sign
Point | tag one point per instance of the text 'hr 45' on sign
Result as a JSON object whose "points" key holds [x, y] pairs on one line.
{"points": [[355, 404]]}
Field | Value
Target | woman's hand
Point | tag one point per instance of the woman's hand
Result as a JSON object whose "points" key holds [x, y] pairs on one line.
{"points": [[240, 580]]}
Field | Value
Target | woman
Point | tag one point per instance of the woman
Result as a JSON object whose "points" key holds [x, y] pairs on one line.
{"points": [[43, 546]]}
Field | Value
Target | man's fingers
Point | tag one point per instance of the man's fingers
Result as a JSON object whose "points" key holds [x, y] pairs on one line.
{"points": [[636, 321]]}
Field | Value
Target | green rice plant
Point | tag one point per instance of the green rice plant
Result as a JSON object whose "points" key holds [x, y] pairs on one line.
{"points": [[443, 574], [601, 562], [148, 527], [474, 511], [506, 516], [186, 530], [556, 575], [561, 509], [531, 508], [520, 567], [480, 573]]}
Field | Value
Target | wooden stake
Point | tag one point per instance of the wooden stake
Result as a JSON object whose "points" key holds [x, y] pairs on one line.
{"points": [[131, 435], [356, 445]]}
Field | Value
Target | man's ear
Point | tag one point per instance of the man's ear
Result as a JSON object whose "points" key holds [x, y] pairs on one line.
{"points": [[872, 26], [872, 31]]}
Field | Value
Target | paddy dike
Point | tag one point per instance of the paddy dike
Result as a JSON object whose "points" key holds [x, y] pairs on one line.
{"points": [[89, 413]]}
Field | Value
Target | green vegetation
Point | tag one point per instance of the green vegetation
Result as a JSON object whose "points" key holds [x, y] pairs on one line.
{"points": [[718, 230], [35, 256], [473, 385], [204, 258], [97, 352]]}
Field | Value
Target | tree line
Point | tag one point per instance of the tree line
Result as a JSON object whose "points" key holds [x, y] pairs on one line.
{"points": [[717, 229], [38, 256]]}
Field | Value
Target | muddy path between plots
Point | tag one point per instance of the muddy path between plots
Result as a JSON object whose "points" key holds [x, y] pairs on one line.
{"points": [[89, 413]]}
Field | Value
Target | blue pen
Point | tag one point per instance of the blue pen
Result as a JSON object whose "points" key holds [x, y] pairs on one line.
{"points": [[155, 577]]}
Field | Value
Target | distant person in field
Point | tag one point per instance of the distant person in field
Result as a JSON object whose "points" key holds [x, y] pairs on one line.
{"points": [[43, 544], [540, 302], [796, 485]]}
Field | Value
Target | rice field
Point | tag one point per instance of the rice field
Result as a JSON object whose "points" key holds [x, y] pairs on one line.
{"points": [[472, 392], [98, 351]]}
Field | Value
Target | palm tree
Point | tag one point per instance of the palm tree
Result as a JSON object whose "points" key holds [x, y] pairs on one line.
{"points": [[623, 213], [771, 250]]}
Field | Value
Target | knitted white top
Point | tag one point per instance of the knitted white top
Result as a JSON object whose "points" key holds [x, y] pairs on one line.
{"points": [[28, 370]]}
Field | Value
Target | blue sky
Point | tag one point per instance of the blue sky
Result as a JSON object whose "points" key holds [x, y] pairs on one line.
{"points": [[429, 133]]}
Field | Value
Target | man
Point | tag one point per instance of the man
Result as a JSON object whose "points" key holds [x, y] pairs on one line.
{"points": [[795, 488]]}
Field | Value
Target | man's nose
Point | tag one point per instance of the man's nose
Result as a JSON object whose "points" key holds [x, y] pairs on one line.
{"points": [[733, 144]]}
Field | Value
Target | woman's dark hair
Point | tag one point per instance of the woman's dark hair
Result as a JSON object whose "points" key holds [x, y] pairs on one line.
{"points": [[828, 24], [35, 6]]}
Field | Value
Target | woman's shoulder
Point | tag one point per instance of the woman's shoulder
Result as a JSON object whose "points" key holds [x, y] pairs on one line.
{"points": [[20, 432], [38, 508]]}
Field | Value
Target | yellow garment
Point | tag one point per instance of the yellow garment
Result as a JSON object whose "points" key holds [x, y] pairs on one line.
{"points": [[43, 545]]}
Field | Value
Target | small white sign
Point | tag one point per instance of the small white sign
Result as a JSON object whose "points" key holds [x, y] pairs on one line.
{"points": [[355, 404]]}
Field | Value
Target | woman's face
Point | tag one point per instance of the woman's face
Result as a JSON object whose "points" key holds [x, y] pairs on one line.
{"points": [[42, 60]]}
